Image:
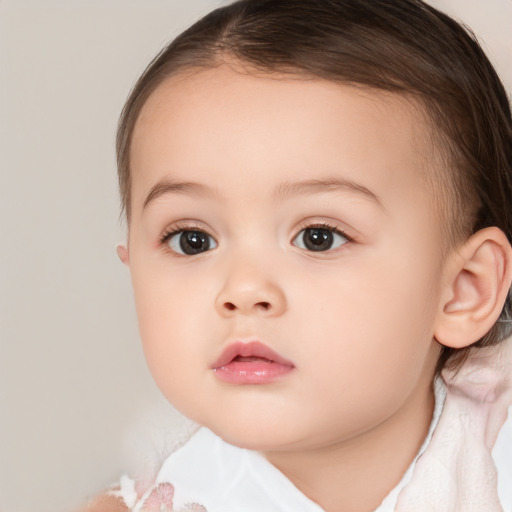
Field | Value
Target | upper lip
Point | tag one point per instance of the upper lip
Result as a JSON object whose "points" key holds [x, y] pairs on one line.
{"points": [[251, 349]]}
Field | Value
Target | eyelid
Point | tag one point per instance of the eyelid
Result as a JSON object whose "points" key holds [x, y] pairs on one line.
{"points": [[323, 224]]}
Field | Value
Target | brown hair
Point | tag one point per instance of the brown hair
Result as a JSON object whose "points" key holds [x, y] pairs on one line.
{"points": [[402, 46]]}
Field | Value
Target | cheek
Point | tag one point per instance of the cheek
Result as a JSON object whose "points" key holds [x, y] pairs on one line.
{"points": [[177, 327], [164, 317], [364, 352], [372, 322]]}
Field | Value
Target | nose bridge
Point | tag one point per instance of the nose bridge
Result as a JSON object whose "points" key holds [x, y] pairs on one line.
{"points": [[250, 286]]}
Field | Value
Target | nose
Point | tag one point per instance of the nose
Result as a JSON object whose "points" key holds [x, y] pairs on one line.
{"points": [[250, 291]]}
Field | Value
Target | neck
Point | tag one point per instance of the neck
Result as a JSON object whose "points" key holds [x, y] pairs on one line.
{"points": [[337, 476]]}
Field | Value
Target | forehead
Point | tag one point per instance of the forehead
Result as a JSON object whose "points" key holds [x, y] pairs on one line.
{"points": [[219, 123]]}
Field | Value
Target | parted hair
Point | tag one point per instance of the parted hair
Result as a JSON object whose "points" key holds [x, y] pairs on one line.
{"points": [[400, 46]]}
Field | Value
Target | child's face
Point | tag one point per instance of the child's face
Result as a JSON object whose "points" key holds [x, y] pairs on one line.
{"points": [[260, 171]]}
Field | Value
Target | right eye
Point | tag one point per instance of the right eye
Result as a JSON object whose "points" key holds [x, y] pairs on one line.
{"points": [[189, 242]]}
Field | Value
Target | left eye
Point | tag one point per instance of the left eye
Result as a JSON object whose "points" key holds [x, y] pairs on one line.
{"points": [[319, 239], [191, 242]]}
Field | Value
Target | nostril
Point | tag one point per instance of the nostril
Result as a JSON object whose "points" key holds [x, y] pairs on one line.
{"points": [[231, 306]]}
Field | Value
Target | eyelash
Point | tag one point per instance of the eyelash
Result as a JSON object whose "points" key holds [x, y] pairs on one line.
{"points": [[180, 228], [327, 226]]}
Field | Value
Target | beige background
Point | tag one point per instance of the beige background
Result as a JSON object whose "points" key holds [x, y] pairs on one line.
{"points": [[74, 389]]}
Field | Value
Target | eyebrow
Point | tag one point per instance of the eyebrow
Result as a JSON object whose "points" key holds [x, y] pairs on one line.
{"points": [[283, 191], [167, 186], [326, 185]]}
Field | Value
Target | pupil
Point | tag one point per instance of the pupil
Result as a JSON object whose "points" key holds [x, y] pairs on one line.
{"points": [[194, 242], [318, 239]]}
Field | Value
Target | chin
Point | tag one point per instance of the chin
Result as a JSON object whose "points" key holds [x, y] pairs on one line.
{"points": [[254, 434]]}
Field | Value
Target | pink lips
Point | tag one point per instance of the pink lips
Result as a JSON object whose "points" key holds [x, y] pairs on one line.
{"points": [[250, 363]]}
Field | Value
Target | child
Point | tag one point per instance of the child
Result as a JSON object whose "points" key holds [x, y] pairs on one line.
{"points": [[318, 198]]}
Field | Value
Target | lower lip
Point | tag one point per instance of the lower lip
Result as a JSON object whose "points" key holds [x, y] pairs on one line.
{"points": [[252, 372]]}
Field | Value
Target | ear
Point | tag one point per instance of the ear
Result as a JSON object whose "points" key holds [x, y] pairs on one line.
{"points": [[122, 252], [478, 279]]}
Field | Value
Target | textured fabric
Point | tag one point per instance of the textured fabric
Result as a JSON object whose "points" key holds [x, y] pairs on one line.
{"points": [[453, 472], [457, 472]]}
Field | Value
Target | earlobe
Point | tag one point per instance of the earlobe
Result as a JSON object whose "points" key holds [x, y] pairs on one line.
{"points": [[478, 280], [123, 254]]}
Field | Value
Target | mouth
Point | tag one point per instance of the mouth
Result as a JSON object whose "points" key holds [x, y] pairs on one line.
{"points": [[251, 363]]}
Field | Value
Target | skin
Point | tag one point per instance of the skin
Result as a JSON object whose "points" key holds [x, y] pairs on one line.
{"points": [[105, 503], [358, 321]]}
